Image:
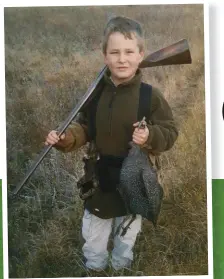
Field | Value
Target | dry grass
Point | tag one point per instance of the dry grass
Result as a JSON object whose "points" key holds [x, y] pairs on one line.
{"points": [[52, 56]]}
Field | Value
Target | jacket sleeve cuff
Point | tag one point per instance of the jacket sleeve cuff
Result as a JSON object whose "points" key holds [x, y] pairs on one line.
{"points": [[75, 137]]}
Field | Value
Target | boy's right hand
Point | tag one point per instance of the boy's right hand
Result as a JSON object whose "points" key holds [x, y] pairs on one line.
{"points": [[53, 138]]}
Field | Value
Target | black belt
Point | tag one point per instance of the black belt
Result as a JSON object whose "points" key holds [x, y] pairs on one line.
{"points": [[108, 168], [113, 161]]}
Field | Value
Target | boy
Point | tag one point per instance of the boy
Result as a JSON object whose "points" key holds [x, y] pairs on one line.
{"points": [[116, 124]]}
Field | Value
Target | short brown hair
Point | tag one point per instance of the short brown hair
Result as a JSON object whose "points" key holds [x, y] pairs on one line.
{"points": [[127, 27]]}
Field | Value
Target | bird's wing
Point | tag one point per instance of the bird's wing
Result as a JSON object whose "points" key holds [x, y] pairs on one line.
{"points": [[149, 180], [154, 192]]}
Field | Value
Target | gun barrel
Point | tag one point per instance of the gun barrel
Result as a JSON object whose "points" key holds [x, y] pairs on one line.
{"points": [[60, 130]]}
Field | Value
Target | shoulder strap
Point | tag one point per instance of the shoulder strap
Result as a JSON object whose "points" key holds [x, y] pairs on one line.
{"points": [[144, 101]]}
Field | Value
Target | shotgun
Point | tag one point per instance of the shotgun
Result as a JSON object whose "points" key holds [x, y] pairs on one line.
{"points": [[177, 53]]}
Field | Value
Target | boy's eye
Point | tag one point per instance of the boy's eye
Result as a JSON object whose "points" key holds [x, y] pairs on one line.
{"points": [[130, 51], [114, 52]]}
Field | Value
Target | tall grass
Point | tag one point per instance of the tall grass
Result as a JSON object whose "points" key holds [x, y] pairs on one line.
{"points": [[52, 55]]}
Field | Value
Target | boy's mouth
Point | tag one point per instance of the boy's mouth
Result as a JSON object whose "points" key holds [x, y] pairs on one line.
{"points": [[122, 68]]}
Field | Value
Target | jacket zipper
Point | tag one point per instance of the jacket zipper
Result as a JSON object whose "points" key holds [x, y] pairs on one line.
{"points": [[110, 113]]}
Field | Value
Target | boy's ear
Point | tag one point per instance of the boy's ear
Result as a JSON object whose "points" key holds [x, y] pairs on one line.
{"points": [[105, 58], [142, 54]]}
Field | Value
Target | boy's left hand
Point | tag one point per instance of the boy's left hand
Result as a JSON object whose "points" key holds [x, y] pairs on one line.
{"points": [[140, 135]]}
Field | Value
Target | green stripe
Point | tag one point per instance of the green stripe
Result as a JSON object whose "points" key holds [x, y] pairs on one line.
{"points": [[1, 244], [218, 228]]}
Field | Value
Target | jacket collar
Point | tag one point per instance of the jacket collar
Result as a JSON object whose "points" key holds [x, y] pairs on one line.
{"points": [[136, 80]]}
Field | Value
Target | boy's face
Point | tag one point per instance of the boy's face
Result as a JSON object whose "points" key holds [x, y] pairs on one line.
{"points": [[122, 57]]}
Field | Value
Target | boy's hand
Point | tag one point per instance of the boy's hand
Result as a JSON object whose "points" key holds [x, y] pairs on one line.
{"points": [[140, 135], [53, 138]]}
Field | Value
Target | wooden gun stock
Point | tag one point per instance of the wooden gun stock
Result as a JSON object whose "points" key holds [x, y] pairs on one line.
{"points": [[177, 53], [174, 54]]}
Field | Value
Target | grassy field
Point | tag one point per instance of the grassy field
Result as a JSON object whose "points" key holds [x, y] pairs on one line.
{"points": [[52, 56]]}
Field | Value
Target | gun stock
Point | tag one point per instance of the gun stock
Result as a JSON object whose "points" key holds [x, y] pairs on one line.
{"points": [[177, 53], [174, 54]]}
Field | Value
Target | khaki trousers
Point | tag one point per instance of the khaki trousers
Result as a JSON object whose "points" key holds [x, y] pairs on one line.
{"points": [[96, 232]]}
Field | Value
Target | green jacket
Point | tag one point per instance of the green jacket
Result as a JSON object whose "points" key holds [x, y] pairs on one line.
{"points": [[116, 112]]}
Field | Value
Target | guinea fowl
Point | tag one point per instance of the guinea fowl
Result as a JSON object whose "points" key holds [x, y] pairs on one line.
{"points": [[139, 187]]}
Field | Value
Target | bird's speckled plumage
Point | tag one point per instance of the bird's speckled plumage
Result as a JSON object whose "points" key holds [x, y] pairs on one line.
{"points": [[139, 186]]}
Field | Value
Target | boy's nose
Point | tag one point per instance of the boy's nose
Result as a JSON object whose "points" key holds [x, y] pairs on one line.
{"points": [[121, 57]]}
